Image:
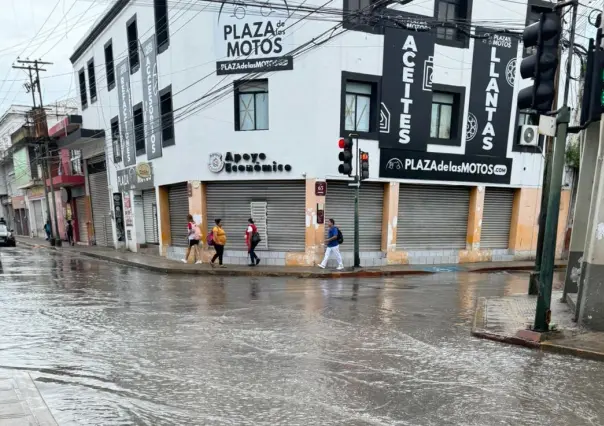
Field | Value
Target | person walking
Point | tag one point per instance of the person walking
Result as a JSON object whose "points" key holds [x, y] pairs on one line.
{"points": [[47, 229], [194, 237], [219, 242], [334, 237], [252, 238], [69, 232]]}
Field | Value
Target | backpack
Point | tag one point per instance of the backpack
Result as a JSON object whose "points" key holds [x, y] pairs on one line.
{"points": [[340, 238], [210, 238], [256, 238]]}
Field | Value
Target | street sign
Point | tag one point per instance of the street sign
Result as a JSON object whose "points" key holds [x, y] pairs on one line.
{"points": [[320, 188]]}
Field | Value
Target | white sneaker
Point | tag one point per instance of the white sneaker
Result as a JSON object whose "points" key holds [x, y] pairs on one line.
{"points": [[320, 265], [340, 268], [199, 262], [184, 260]]}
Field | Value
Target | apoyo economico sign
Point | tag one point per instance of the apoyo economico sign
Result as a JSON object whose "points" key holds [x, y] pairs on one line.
{"points": [[249, 34]]}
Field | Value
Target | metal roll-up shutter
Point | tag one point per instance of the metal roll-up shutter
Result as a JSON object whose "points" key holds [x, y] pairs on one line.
{"points": [[496, 218], [150, 216], [432, 217], [284, 212], [39, 218], [101, 208], [81, 211], [178, 198], [339, 206]]}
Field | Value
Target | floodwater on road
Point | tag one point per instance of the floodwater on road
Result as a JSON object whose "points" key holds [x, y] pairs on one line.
{"points": [[112, 345]]}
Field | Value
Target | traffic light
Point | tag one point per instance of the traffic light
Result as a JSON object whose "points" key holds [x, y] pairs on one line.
{"points": [[542, 65], [345, 156], [364, 158], [592, 105]]}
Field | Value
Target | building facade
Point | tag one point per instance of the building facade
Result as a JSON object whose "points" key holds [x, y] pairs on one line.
{"points": [[235, 111]]}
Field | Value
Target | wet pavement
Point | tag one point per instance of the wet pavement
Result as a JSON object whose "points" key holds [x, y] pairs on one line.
{"points": [[108, 344]]}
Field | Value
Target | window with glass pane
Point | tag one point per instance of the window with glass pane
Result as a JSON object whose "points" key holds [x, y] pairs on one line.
{"points": [[253, 105], [442, 115], [358, 104], [448, 11]]}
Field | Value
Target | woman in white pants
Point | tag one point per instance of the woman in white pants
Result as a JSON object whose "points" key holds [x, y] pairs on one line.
{"points": [[333, 246]]}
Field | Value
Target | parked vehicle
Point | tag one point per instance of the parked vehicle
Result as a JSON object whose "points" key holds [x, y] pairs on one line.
{"points": [[7, 238]]}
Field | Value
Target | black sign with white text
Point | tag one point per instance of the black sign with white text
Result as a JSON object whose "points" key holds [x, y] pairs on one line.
{"points": [[406, 88], [493, 77], [398, 164], [152, 121], [126, 119]]}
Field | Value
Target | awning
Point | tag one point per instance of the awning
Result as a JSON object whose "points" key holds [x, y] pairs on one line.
{"points": [[80, 138], [66, 181], [65, 126]]}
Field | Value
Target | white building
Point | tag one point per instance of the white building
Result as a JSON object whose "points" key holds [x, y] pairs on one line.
{"points": [[246, 105]]}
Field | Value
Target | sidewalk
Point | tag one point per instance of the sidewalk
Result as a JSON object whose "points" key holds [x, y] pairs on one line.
{"points": [[507, 319], [163, 265], [21, 402]]}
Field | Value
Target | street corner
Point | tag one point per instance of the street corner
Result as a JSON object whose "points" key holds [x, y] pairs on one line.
{"points": [[509, 320]]}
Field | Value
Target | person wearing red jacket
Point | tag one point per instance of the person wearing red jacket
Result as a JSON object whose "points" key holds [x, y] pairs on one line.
{"points": [[252, 238]]}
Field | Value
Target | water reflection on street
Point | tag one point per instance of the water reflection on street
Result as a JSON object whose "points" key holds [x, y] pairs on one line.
{"points": [[112, 345]]}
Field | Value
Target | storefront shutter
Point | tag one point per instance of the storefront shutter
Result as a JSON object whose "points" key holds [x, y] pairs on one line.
{"points": [[82, 219], [285, 211], [150, 216], [432, 217], [101, 208], [39, 218], [179, 209], [339, 205], [496, 218]]}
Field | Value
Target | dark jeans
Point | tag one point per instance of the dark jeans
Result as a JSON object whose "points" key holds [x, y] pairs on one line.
{"points": [[253, 256], [70, 238], [219, 253]]}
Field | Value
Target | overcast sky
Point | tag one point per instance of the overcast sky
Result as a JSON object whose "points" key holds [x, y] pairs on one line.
{"points": [[46, 30]]}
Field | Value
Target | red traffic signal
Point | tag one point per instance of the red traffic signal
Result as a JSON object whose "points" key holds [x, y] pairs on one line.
{"points": [[364, 166]]}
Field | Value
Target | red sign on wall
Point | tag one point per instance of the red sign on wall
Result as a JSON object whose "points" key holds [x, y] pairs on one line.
{"points": [[320, 188]]}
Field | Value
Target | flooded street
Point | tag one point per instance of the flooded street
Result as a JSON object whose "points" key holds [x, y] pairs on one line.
{"points": [[111, 345]]}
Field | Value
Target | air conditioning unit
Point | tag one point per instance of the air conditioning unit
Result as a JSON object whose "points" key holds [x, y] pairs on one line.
{"points": [[529, 135]]}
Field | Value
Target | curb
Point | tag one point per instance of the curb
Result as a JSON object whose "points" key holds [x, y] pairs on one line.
{"points": [[510, 268], [241, 273]]}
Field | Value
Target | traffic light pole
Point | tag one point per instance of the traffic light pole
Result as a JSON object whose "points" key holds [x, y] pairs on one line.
{"points": [[553, 188], [546, 271], [357, 190]]}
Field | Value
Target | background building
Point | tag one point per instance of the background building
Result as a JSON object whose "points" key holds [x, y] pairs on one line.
{"points": [[234, 111]]}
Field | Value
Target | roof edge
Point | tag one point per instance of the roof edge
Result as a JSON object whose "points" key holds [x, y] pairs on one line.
{"points": [[97, 29]]}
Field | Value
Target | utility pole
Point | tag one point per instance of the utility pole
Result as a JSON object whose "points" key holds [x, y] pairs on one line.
{"points": [[357, 190], [31, 67]]}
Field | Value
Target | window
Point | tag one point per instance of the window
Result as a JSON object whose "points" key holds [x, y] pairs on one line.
{"points": [[448, 11], [454, 12], [167, 117], [133, 45], [161, 24], [358, 106], [442, 115], [92, 81], [358, 14], [76, 162], [447, 125], [139, 129], [83, 96], [109, 67], [116, 142], [251, 109]]}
